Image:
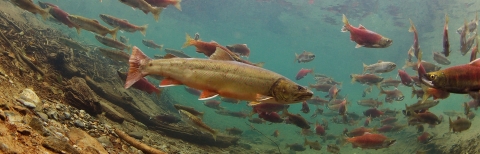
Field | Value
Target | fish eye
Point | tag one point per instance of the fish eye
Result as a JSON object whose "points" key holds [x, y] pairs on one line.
{"points": [[299, 88], [433, 76]]}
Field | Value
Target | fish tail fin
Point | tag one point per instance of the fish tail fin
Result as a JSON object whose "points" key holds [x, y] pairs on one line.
{"points": [[143, 29], [365, 66], [214, 135], [160, 48], [346, 24], [413, 92], [156, 12], [407, 64], [45, 13], [188, 41], [381, 91], [450, 126], [425, 93], [177, 5], [446, 20], [296, 58], [78, 29], [306, 142], [113, 32], [353, 78], [137, 59], [412, 27]]}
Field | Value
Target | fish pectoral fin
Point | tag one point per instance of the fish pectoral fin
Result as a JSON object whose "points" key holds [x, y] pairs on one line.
{"points": [[262, 97], [253, 103], [168, 82], [358, 46], [475, 62], [221, 54], [206, 95]]}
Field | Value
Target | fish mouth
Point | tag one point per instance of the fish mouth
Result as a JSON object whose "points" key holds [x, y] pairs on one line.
{"points": [[427, 82]]}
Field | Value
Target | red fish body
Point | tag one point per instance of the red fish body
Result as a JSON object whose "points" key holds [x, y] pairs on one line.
{"points": [[319, 130], [305, 108], [459, 79], [123, 24], [365, 38], [302, 73], [141, 84], [416, 45], [271, 117], [373, 112], [446, 43], [371, 141], [268, 107]]}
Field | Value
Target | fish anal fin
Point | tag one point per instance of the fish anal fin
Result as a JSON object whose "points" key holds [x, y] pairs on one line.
{"points": [[207, 94], [168, 82], [475, 62], [358, 46], [253, 103]]}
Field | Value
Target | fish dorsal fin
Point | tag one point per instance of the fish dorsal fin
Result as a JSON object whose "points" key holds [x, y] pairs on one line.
{"points": [[475, 62], [168, 56], [458, 117], [96, 21], [125, 20], [360, 26], [221, 54], [366, 133], [379, 61]]}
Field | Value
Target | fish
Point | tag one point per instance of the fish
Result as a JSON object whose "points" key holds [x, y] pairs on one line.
{"points": [[379, 67], [123, 24], [317, 101], [416, 45], [268, 107], [276, 133], [166, 118], [123, 39], [234, 131], [238, 114], [439, 58], [426, 117], [367, 121], [473, 56], [468, 45], [429, 67], [371, 141], [390, 82], [460, 79], [295, 147], [256, 120], [367, 90], [58, 14], [424, 138], [151, 44], [446, 44], [240, 49], [271, 117], [369, 102], [145, 7], [165, 3], [29, 6], [405, 78], [198, 123], [332, 148], [463, 39], [305, 108], [365, 38], [313, 145], [296, 119], [333, 93], [141, 84], [459, 125], [419, 105], [324, 87], [208, 75], [112, 43], [302, 73], [73, 44], [230, 100], [388, 120], [471, 26], [359, 131], [214, 104], [304, 57], [452, 113], [373, 113], [177, 53], [392, 95], [92, 25], [190, 110], [318, 111], [370, 79], [319, 130], [420, 128]]}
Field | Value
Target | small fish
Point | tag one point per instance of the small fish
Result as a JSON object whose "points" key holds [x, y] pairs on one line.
{"points": [[304, 57], [323, 87], [165, 3], [359, 131], [313, 145], [319, 129], [73, 44], [369, 102], [145, 7], [177, 53], [371, 141], [115, 55], [123, 24], [392, 95], [473, 56], [332, 148], [471, 26], [390, 82], [214, 104], [58, 14], [124, 39], [370, 79], [256, 120], [234, 131], [92, 25], [459, 125], [463, 39], [305, 108], [270, 117], [419, 105], [468, 45], [198, 123], [190, 110], [426, 117], [439, 58], [373, 113], [296, 119], [295, 147], [240, 49], [151, 44], [166, 118], [276, 133], [389, 120], [416, 45], [302, 73], [405, 78], [379, 67], [446, 44], [29, 6], [364, 37], [112, 43], [333, 93], [424, 138]]}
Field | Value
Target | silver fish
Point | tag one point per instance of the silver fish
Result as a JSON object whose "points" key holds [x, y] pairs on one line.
{"points": [[304, 57], [379, 67]]}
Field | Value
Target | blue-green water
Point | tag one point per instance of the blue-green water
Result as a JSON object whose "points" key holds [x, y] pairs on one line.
{"points": [[275, 30]]}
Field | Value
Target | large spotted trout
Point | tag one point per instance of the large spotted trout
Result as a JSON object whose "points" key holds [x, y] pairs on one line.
{"points": [[219, 75]]}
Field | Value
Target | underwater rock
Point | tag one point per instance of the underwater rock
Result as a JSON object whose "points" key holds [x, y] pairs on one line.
{"points": [[85, 141], [111, 113], [79, 95], [37, 125], [58, 145], [79, 123], [29, 98], [136, 135]]}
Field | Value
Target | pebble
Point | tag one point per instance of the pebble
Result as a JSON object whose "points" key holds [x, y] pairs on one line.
{"points": [[58, 145], [27, 103], [2, 115], [37, 125], [105, 141], [43, 116], [136, 135], [79, 123], [67, 115], [29, 95], [52, 114]]}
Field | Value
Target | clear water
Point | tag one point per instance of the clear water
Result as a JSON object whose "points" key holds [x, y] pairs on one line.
{"points": [[277, 29]]}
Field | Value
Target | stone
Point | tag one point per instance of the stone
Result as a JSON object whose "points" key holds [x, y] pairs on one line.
{"points": [[52, 114], [37, 125], [79, 123], [136, 135], [2, 115], [105, 141], [79, 95], [59, 145], [67, 116], [111, 113], [43, 116], [29, 95], [27, 103], [20, 109], [85, 141]]}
